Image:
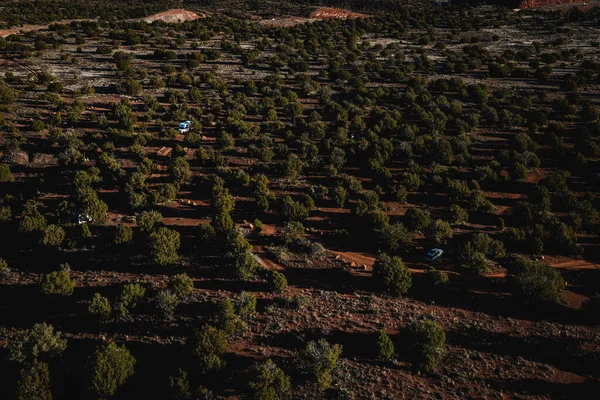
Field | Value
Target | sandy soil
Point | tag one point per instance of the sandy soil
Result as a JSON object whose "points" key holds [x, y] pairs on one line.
{"points": [[174, 16], [328, 12]]}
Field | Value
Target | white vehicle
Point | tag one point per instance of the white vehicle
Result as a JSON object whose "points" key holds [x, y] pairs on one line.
{"points": [[434, 254], [185, 126], [82, 218]]}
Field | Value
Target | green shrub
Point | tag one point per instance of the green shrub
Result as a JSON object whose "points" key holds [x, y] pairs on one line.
{"points": [[269, 382], [277, 282], [100, 307], [384, 348], [58, 282], [5, 174], [436, 277], [167, 301], [131, 296], [208, 345], [227, 319], [246, 304], [4, 270], [53, 236], [181, 285], [164, 243], [428, 341], [439, 231], [319, 359], [148, 220], [123, 234], [33, 343], [35, 382], [538, 282], [392, 275], [110, 367], [417, 219]]}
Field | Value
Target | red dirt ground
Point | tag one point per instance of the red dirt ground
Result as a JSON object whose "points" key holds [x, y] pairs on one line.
{"points": [[328, 12]]}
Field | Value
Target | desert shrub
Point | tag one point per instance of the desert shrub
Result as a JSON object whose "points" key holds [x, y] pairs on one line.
{"points": [[147, 220], [436, 277], [293, 210], [246, 304], [319, 359], [277, 282], [292, 232], [181, 285], [34, 383], [123, 234], [100, 307], [269, 382], [166, 301], [4, 269], [86, 233], [130, 297], [34, 343], [179, 386], [428, 338], [391, 275], [33, 220], [208, 345], [458, 215], [164, 243], [394, 237], [384, 348], [538, 282], [5, 174], [110, 367], [439, 231], [227, 319], [58, 282]]}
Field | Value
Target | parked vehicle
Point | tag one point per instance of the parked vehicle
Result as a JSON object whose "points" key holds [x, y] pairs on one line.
{"points": [[434, 254], [185, 126]]}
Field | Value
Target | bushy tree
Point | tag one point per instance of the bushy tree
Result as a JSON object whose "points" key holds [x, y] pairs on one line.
{"points": [[181, 285], [100, 307], [394, 238], [277, 282], [227, 319], [123, 234], [208, 345], [538, 282], [164, 243], [384, 348], [319, 359], [436, 277], [34, 383], [269, 382], [53, 236], [148, 220], [5, 174], [428, 338], [417, 219], [130, 298], [392, 275], [58, 282], [110, 366], [246, 305], [166, 301], [40, 341], [439, 231]]}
